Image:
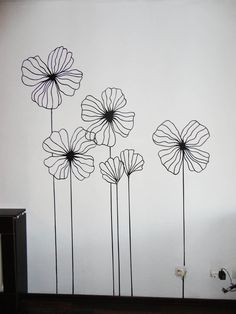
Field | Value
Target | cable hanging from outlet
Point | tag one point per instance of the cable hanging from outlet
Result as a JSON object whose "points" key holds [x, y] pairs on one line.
{"points": [[222, 275]]}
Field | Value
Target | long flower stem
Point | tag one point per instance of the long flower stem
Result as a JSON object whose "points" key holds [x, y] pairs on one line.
{"points": [[112, 237], [184, 235], [55, 217], [72, 235], [130, 240], [55, 231], [118, 237]]}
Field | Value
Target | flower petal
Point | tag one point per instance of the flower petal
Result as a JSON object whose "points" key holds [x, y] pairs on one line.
{"points": [[132, 161], [123, 123], [102, 132], [60, 59], [34, 71], [57, 143], [82, 166], [80, 143], [47, 95], [69, 81], [57, 166], [112, 170], [92, 109], [195, 134], [166, 135], [113, 99], [196, 159], [172, 159]]}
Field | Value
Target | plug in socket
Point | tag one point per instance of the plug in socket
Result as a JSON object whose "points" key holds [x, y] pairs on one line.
{"points": [[180, 271]]}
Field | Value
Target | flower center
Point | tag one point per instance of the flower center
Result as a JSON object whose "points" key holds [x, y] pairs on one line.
{"points": [[52, 76], [182, 145], [70, 156], [109, 115]]}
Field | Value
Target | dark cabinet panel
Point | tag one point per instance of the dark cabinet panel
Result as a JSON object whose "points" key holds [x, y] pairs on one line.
{"points": [[14, 258]]}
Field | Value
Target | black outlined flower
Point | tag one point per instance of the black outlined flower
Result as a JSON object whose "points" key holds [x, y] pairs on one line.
{"points": [[132, 161], [112, 170], [182, 147], [106, 116], [69, 155], [52, 79]]}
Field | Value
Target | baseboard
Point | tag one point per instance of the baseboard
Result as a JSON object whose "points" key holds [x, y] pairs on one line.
{"points": [[135, 302]]}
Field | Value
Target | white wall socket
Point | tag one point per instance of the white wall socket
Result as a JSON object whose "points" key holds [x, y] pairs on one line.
{"points": [[180, 271], [214, 273]]}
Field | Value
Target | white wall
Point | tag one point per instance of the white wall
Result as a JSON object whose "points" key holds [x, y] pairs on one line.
{"points": [[173, 59]]}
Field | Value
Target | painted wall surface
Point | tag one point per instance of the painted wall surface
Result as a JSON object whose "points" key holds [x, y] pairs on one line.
{"points": [[173, 60]]}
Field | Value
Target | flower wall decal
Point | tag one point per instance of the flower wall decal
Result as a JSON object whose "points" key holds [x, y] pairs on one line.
{"points": [[107, 120], [132, 162], [52, 79], [180, 149], [112, 171], [49, 81], [69, 155], [107, 117], [184, 146]]}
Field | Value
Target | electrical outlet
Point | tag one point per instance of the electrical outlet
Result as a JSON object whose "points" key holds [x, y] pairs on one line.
{"points": [[214, 273], [180, 271]]}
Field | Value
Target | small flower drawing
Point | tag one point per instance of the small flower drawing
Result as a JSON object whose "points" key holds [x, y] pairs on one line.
{"points": [[52, 79], [184, 146], [112, 170], [69, 155], [132, 161], [107, 117]]}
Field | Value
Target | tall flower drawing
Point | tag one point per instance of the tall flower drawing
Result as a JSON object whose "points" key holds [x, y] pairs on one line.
{"points": [[132, 162], [52, 79], [182, 149], [49, 81], [107, 120], [107, 117], [69, 157], [112, 170]]}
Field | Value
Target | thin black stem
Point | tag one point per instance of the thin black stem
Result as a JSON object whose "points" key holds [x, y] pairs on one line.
{"points": [[184, 235], [55, 217], [55, 231], [130, 240], [112, 237], [51, 120], [118, 237], [72, 235]]}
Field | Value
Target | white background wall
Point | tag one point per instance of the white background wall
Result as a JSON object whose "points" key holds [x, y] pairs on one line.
{"points": [[173, 59]]}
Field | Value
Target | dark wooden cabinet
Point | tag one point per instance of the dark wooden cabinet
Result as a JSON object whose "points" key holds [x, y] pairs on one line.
{"points": [[14, 258]]}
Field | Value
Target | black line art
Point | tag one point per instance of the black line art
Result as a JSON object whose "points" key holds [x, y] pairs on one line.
{"points": [[69, 157], [132, 162], [108, 119], [49, 81], [112, 171], [52, 79], [180, 149]]}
